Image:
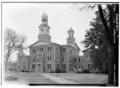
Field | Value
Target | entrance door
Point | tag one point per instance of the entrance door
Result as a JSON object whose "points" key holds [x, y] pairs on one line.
{"points": [[39, 68]]}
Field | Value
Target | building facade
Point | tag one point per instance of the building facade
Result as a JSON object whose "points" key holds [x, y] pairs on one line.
{"points": [[47, 56], [87, 63], [22, 61]]}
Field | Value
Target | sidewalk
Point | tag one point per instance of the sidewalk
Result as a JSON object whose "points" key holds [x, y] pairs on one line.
{"points": [[58, 79]]}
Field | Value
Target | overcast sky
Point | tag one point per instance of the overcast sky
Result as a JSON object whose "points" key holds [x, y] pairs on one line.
{"points": [[25, 18]]}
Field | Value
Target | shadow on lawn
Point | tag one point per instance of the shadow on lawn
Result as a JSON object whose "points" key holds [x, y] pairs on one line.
{"points": [[10, 78]]}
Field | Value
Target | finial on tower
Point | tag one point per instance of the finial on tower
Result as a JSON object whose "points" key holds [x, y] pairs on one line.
{"points": [[71, 30], [44, 18]]}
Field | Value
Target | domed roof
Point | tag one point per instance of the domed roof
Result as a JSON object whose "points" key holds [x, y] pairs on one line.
{"points": [[71, 30], [44, 17]]}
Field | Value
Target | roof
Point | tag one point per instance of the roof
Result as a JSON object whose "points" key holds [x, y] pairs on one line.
{"points": [[38, 43], [77, 46], [73, 46]]}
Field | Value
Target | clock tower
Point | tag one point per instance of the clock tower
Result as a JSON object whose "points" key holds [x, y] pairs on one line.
{"points": [[44, 29]]}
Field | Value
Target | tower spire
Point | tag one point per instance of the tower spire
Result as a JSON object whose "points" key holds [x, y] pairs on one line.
{"points": [[44, 18], [70, 39], [71, 32]]}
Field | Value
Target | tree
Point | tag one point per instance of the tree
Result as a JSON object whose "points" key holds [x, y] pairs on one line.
{"points": [[111, 37], [111, 32], [12, 42], [95, 37]]}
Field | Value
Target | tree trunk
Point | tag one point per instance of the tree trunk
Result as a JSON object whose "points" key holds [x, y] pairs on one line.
{"points": [[116, 65], [111, 67], [109, 41]]}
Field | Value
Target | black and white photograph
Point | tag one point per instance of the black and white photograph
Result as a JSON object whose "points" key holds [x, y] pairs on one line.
{"points": [[60, 43]]}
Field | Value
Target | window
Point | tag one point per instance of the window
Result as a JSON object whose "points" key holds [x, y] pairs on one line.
{"points": [[33, 50], [79, 59], [75, 59], [63, 59], [63, 49], [34, 58], [38, 65], [88, 66], [49, 57], [33, 66], [48, 65], [49, 48], [41, 49], [79, 66], [57, 65], [75, 66]]}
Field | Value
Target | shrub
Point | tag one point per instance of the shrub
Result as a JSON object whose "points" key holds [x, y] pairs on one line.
{"points": [[86, 71], [57, 70], [52, 72]]}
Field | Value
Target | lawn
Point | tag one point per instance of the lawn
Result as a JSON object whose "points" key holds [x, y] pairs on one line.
{"points": [[79, 78], [84, 78]]}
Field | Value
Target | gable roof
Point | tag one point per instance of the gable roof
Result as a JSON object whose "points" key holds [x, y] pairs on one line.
{"points": [[73, 46], [33, 44], [77, 46], [38, 43]]}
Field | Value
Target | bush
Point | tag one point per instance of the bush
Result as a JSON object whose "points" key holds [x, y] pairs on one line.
{"points": [[104, 71], [86, 71], [57, 70], [52, 72], [62, 71]]}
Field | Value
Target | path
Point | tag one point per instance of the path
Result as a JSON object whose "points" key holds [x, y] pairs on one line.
{"points": [[58, 79]]}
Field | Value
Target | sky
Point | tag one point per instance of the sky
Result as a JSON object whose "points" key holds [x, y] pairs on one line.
{"points": [[24, 18]]}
